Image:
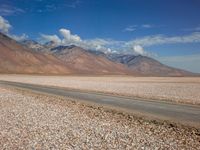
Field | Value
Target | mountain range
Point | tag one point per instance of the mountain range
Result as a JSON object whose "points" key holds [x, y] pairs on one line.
{"points": [[34, 59], [31, 57]]}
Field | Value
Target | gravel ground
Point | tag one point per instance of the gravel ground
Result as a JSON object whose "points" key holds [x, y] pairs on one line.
{"points": [[30, 121], [182, 89]]}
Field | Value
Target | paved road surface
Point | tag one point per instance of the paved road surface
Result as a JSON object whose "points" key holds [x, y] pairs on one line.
{"points": [[154, 109]]}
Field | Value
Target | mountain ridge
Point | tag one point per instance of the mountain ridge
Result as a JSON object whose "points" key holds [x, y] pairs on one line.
{"points": [[28, 59], [147, 66], [87, 62], [81, 61]]}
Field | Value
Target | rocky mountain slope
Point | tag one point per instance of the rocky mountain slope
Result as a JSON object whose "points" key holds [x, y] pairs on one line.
{"points": [[147, 66], [86, 62], [14, 58], [96, 62], [34, 45], [33, 58]]}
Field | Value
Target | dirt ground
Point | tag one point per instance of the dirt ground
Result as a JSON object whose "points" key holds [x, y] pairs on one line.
{"points": [[32, 121], [178, 89]]}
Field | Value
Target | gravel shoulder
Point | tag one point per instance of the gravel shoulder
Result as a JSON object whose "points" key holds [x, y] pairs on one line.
{"points": [[32, 121]]}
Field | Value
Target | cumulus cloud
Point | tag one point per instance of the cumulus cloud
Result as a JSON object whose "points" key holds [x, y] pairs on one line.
{"points": [[54, 38], [68, 37], [136, 46], [19, 37], [139, 50], [73, 39], [96, 44], [4, 25]]}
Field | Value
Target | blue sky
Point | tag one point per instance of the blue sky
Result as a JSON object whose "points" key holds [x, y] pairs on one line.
{"points": [[166, 30]]}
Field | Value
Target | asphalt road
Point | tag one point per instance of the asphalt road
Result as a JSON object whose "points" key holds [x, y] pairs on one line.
{"points": [[154, 109]]}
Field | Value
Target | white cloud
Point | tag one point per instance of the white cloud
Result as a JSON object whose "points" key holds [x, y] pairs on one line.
{"points": [[194, 29], [19, 38], [147, 26], [197, 28], [137, 27], [136, 46], [97, 44], [161, 39], [139, 50], [130, 28], [54, 38], [74, 4], [50, 7], [7, 10], [4, 25], [69, 38]]}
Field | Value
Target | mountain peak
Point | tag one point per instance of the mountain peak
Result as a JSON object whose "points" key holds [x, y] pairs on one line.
{"points": [[62, 47], [50, 44]]}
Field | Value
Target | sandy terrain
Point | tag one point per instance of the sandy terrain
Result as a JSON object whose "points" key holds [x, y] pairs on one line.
{"points": [[30, 121], [184, 90]]}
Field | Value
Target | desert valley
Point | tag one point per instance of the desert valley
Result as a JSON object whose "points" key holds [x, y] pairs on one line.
{"points": [[75, 68], [122, 84]]}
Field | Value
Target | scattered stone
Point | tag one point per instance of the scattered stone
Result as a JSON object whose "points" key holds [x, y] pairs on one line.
{"points": [[30, 121]]}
